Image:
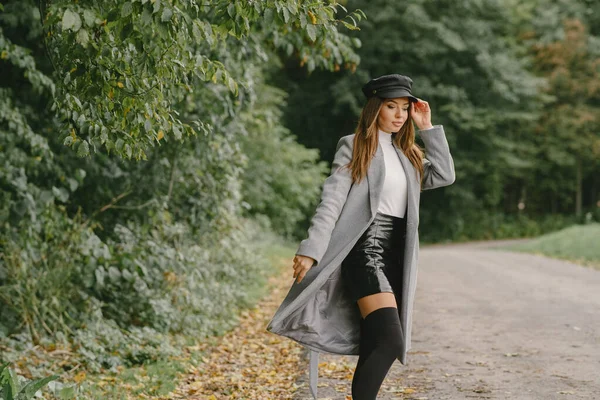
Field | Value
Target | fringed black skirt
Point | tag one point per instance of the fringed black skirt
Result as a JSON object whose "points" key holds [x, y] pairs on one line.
{"points": [[375, 263]]}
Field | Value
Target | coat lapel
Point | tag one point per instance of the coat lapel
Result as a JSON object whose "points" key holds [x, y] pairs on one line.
{"points": [[376, 176]]}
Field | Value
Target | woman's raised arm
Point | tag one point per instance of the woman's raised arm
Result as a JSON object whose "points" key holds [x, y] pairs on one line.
{"points": [[438, 166]]}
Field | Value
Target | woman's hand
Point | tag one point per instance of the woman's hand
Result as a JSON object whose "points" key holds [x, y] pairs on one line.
{"points": [[301, 266], [421, 114]]}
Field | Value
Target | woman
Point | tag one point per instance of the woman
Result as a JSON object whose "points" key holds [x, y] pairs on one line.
{"points": [[356, 272]]}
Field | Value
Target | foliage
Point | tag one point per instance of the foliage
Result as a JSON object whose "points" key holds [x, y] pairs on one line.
{"points": [[159, 280], [568, 133], [111, 256], [479, 225], [11, 389], [279, 180], [124, 65]]}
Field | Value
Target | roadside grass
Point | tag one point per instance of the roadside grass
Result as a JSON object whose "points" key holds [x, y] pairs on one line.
{"points": [[158, 379], [577, 243]]}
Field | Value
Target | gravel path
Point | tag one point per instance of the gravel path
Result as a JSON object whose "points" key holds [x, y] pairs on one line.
{"points": [[491, 324]]}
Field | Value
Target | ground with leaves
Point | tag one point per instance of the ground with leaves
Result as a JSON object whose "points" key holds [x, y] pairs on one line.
{"points": [[248, 362]]}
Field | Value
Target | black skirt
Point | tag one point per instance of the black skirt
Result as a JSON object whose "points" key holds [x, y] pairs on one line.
{"points": [[375, 263]]}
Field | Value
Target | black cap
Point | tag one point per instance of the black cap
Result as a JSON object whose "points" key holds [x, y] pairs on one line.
{"points": [[390, 87]]}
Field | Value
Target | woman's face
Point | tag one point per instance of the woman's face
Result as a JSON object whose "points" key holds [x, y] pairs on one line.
{"points": [[393, 114]]}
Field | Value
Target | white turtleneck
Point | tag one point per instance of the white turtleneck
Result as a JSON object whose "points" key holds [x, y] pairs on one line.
{"points": [[394, 194]]}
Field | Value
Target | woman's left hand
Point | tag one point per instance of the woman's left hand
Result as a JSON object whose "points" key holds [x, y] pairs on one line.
{"points": [[421, 114]]}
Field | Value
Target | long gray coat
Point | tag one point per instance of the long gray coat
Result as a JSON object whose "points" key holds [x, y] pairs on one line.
{"points": [[315, 312]]}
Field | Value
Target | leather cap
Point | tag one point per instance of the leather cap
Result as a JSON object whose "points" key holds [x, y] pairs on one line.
{"points": [[390, 87]]}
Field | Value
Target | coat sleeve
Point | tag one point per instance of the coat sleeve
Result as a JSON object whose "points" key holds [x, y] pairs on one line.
{"points": [[438, 165], [334, 194]]}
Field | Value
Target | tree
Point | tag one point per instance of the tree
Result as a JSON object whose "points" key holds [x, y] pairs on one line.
{"points": [[465, 61], [96, 248], [123, 66], [569, 128]]}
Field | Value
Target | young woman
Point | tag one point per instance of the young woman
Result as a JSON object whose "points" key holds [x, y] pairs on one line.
{"points": [[356, 272]]}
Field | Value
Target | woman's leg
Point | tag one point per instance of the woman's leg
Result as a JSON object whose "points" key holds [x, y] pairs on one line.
{"points": [[380, 343]]}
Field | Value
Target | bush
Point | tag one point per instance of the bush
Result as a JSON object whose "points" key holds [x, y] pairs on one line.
{"points": [[485, 225], [12, 387], [116, 301]]}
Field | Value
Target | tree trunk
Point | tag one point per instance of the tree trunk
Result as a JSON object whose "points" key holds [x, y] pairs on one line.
{"points": [[578, 193]]}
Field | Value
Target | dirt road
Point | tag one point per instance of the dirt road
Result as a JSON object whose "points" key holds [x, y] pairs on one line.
{"points": [[492, 324]]}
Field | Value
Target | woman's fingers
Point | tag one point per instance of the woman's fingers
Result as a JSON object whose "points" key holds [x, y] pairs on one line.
{"points": [[302, 274], [301, 266], [300, 271], [421, 106]]}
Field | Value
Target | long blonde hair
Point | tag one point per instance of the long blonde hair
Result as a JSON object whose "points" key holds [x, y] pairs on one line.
{"points": [[366, 138]]}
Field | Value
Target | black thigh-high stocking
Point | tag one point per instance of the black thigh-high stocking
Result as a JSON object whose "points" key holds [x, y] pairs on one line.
{"points": [[380, 342]]}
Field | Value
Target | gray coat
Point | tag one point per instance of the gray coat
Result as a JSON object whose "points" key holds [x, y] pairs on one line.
{"points": [[315, 312]]}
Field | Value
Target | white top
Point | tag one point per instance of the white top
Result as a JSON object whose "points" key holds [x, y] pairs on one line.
{"points": [[394, 195]]}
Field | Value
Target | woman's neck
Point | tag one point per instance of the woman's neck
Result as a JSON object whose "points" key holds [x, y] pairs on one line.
{"points": [[384, 136]]}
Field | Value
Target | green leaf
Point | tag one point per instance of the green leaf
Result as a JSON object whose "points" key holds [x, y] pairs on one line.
{"points": [[89, 17], [127, 9], [126, 31], [303, 21], [114, 274], [82, 37], [286, 15], [7, 383], [6, 390], [80, 174], [67, 393], [84, 149], [46, 197], [349, 25], [119, 144], [146, 16], [71, 20], [232, 85], [166, 15], [311, 30], [73, 184], [268, 16], [2, 369], [60, 193], [29, 390]]}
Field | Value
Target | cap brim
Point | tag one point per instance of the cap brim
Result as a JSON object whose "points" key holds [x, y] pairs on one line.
{"points": [[394, 93]]}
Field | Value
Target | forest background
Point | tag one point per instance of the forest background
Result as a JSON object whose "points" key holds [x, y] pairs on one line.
{"points": [[151, 150]]}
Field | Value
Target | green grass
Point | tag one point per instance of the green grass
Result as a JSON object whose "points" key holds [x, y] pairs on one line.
{"points": [[155, 379], [577, 243]]}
